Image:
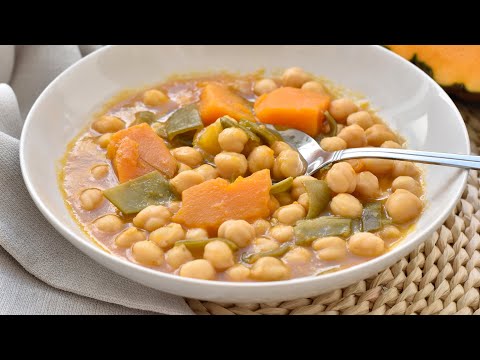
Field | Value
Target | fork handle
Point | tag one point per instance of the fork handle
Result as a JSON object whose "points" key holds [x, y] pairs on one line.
{"points": [[426, 157]]}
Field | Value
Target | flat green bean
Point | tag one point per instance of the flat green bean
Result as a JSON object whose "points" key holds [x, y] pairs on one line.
{"points": [[282, 186], [135, 195], [308, 230], [253, 257], [319, 195]]}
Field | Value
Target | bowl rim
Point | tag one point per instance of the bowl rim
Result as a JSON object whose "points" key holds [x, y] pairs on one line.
{"points": [[84, 242]]}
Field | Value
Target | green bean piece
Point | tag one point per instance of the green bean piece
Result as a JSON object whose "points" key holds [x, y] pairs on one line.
{"points": [[185, 139], [333, 128], [135, 195], [386, 222], [372, 216], [201, 243], [268, 136], [282, 186], [253, 257], [308, 230], [160, 130], [227, 122], [184, 120], [319, 195], [357, 226], [141, 117], [332, 123]]}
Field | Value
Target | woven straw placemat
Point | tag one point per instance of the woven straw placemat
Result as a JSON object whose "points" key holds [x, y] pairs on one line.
{"points": [[442, 276]]}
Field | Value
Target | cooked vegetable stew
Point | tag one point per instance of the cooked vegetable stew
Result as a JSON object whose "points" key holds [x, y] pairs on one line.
{"points": [[185, 178]]}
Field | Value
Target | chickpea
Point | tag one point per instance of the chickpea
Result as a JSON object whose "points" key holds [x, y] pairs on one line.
{"points": [[182, 167], [109, 223], [196, 234], [298, 185], [276, 173], [340, 127], [147, 253], [354, 136], [269, 269], [367, 185], [357, 164], [290, 163], [405, 168], [207, 171], [295, 77], [154, 97], [264, 86], [260, 158], [104, 140], [198, 269], [315, 86], [279, 146], [187, 155], [361, 118], [341, 178], [238, 231], [130, 236], [334, 143], [378, 166], [108, 124], [366, 244], [389, 233], [232, 139], [290, 214], [218, 254], [284, 198], [402, 206], [304, 201], [330, 248], [99, 171], [282, 233], [174, 206], [273, 204], [238, 273], [167, 236], [177, 256], [152, 217], [346, 205], [298, 255], [91, 199], [231, 165], [407, 183], [186, 180], [391, 145], [378, 134], [262, 244], [341, 108], [261, 227], [377, 119]]}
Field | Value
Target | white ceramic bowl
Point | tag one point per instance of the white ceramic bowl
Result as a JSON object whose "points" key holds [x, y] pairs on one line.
{"points": [[408, 100]]}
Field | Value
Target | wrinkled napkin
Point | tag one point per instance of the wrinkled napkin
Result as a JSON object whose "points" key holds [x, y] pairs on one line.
{"points": [[40, 271]]}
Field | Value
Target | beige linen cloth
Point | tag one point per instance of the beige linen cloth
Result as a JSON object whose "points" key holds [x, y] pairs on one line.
{"points": [[40, 271]]}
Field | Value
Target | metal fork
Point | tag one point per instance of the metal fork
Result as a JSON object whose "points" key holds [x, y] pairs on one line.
{"points": [[317, 158]]}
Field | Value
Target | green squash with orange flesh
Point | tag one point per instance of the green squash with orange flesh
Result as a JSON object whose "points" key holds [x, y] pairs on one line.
{"points": [[454, 67]]}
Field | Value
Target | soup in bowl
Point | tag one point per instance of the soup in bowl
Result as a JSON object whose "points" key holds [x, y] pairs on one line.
{"points": [[186, 178]]}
